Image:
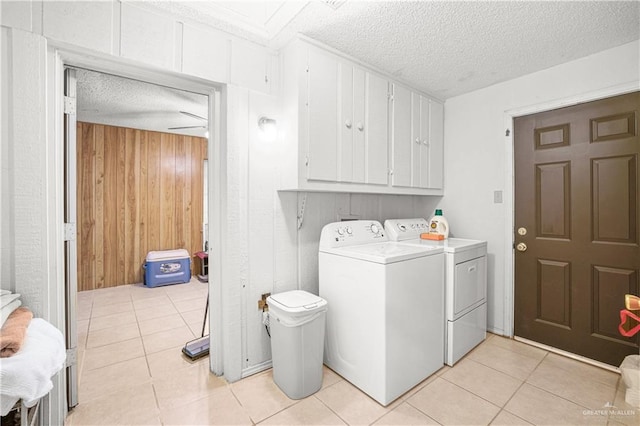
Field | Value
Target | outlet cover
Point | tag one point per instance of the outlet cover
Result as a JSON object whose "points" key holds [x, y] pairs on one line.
{"points": [[497, 197]]}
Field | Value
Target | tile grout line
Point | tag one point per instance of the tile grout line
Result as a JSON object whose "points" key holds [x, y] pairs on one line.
{"points": [[239, 402], [552, 393], [503, 408], [410, 404], [329, 408]]}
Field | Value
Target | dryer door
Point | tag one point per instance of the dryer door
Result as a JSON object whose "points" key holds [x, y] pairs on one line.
{"points": [[469, 285]]}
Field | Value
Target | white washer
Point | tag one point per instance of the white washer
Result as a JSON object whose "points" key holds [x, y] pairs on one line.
{"points": [[465, 284], [384, 323]]}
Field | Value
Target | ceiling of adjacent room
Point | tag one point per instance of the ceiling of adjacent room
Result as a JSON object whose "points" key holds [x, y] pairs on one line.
{"points": [[118, 101]]}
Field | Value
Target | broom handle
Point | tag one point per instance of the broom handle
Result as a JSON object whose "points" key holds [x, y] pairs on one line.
{"points": [[206, 309]]}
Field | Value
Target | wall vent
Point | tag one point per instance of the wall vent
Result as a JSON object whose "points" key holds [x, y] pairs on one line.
{"points": [[334, 4]]}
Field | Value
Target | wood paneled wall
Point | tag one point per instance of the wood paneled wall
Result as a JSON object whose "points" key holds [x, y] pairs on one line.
{"points": [[137, 191]]}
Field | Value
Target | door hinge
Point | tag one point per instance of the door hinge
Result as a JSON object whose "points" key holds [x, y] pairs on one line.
{"points": [[507, 132], [69, 231], [72, 357], [69, 105]]}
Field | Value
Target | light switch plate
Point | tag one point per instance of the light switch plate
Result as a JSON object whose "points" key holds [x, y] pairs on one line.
{"points": [[497, 197]]}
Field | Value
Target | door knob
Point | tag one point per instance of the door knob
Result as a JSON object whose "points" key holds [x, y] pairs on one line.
{"points": [[521, 247], [522, 231], [360, 126], [348, 124]]}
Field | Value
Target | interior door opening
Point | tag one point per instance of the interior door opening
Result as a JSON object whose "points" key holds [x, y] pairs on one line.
{"points": [[135, 182]]}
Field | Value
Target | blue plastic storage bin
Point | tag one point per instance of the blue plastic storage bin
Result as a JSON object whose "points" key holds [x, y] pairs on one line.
{"points": [[167, 267]]}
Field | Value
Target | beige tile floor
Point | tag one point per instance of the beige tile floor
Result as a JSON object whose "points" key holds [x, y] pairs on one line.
{"points": [[132, 373]]}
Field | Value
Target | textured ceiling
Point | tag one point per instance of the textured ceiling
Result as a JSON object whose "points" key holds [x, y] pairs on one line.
{"points": [[445, 48], [117, 101]]}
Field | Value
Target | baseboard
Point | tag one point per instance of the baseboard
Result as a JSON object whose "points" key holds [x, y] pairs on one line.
{"points": [[254, 369]]}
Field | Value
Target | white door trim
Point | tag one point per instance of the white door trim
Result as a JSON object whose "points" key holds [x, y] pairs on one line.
{"points": [[61, 56], [509, 115]]}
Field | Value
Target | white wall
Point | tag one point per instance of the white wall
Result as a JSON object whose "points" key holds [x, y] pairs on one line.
{"points": [[323, 208], [5, 194], [265, 252], [31, 179], [478, 157]]}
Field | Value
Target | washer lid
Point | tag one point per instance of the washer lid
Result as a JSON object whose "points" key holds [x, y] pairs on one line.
{"points": [[388, 252], [296, 301]]}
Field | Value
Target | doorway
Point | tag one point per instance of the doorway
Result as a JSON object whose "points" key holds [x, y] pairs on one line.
{"points": [[139, 160], [576, 221]]}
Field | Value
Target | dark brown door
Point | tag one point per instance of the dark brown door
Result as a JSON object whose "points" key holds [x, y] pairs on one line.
{"points": [[576, 195]]}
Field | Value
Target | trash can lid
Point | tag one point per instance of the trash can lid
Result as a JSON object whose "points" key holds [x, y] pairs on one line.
{"points": [[296, 302]]}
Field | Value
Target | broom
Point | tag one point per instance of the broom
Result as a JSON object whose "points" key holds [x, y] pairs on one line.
{"points": [[199, 347]]}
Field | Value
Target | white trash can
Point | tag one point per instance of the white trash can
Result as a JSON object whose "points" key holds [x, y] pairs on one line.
{"points": [[297, 320]]}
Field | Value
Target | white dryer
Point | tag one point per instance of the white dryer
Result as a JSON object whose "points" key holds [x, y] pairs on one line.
{"points": [[465, 284], [384, 329]]}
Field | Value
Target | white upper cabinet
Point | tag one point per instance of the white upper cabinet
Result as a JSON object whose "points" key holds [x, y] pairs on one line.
{"points": [[417, 140], [420, 137], [363, 126], [402, 147], [350, 117], [341, 133], [322, 131], [376, 130], [436, 144]]}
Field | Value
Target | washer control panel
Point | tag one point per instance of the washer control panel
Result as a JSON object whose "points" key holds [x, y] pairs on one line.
{"points": [[405, 229], [340, 234]]}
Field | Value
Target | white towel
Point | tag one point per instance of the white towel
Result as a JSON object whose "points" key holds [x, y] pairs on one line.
{"points": [[5, 311], [27, 375], [4, 292], [5, 299]]}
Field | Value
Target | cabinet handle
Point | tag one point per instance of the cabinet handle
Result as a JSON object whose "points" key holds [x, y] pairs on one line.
{"points": [[360, 126], [418, 141], [348, 124], [425, 142]]}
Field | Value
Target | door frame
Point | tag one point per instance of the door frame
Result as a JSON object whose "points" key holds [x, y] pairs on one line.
{"points": [[61, 56], [509, 181]]}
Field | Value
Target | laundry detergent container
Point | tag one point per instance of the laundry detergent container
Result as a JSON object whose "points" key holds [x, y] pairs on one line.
{"points": [[167, 267], [297, 321]]}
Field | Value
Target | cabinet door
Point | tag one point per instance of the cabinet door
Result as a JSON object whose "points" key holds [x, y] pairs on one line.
{"points": [[322, 119], [416, 140], [351, 145], [401, 143], [358, 128], [345, 123], [436, 145], [377, 130], [424, 143]]}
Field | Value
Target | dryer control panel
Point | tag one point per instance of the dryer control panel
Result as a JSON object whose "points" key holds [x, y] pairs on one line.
{"points": [[351, 233], [405, 229]]}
